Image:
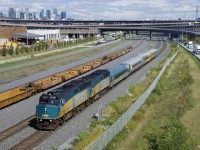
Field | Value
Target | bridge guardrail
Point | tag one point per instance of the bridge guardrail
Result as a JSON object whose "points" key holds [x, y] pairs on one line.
{"points": [[198, 57]]}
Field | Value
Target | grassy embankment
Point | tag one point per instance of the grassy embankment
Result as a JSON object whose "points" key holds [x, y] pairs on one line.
{"points": [[62, 47], [12, 70], [116, 109], [170, 117]]}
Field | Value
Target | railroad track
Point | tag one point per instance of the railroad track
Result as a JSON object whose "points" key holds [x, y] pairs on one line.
{"points": [[36, 138], [28, 89], [16, 128], [32, 140]]}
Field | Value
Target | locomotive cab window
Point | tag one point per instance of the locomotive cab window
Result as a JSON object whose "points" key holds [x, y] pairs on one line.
{"points": [[44, 99], [54, 101]]}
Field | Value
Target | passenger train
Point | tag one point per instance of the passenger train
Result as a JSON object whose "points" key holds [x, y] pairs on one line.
{"points": [[58, 105]]}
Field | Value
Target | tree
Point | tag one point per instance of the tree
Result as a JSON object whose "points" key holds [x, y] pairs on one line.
{"points": [[30, 49], [39, 46], [17, 50], [65, 43], [35, 47], [4, 51], [42, 45], [22, 49], [26, 49], [11, 49], [46, 45]]}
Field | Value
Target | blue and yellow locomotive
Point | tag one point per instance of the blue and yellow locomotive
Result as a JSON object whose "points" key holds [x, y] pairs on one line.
{"points": [[59, 105]]}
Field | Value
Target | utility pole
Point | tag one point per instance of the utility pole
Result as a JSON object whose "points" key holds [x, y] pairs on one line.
{"points": [[196, 21]]}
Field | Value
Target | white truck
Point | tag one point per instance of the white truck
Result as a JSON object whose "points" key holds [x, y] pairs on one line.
{"points": [[196, 49], [190, 45]]}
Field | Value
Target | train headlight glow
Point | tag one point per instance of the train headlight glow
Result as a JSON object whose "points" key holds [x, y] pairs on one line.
{"points": [[45, 110]]}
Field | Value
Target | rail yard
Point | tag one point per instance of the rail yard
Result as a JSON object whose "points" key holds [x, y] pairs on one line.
{"points": [[28, 89], [26, 130], [98, 75]]}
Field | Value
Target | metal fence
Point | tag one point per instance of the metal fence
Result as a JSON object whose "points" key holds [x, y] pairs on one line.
{"points": [[107, 136]]}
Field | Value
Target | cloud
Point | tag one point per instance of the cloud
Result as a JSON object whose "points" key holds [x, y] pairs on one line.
{"points": [[111, 9]]}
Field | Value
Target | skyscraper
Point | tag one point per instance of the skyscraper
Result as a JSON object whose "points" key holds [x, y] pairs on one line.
{"points": [[22, 15], [48, 14], [55, 11], [34, 15], [1, 14], [63, 15], [11, 13]]}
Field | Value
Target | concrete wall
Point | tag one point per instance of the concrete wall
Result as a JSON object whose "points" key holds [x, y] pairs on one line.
{"points": [[48, 34]]}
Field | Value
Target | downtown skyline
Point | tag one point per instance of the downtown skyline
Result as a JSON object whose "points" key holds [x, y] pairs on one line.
{"points": [[112, 9]]}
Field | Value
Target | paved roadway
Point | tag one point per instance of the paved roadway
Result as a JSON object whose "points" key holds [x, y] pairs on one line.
{"points": [[15, 113], [190, 50]]}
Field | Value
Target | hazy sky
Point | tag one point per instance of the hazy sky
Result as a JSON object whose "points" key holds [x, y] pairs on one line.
{"points": [[112, 9]]}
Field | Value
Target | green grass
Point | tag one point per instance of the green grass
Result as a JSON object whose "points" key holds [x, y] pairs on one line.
{"points": [[64, 48], [115, 109], [164, 117]]}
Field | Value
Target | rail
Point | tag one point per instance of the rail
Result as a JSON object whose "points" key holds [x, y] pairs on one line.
{"points": [[13, 98], [16, 128], [108, 135]]}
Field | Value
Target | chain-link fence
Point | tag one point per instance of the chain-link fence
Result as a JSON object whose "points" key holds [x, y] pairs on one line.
{"points": [[107, 136]]}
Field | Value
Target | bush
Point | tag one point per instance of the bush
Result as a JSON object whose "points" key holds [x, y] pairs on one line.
{"points": [[131, 125], [65, 43], [30, 49], [4, 50], [174, 136], [26, 49], [17, 50], [40, 46], [46, 45], [11, 49], [82, 135], [35, 47], [22, 49]]}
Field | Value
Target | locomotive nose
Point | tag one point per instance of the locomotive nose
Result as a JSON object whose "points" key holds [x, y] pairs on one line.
{"points": [[47, 111]]}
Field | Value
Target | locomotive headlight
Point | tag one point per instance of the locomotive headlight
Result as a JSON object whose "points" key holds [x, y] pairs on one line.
{"points": [[50, 120], [45, 110]]}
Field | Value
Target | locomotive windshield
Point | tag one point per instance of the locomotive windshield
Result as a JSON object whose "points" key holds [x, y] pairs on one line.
{"points": [[54, 101], [44, 98], [49, 99]]}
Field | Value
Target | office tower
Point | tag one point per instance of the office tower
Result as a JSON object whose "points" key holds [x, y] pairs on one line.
{"points": [[22, 15], [11, 13], [55, 11], [63, 15], [48, 14]]}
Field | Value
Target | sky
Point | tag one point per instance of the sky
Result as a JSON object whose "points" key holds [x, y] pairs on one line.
{"points": [[112, 9]]}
